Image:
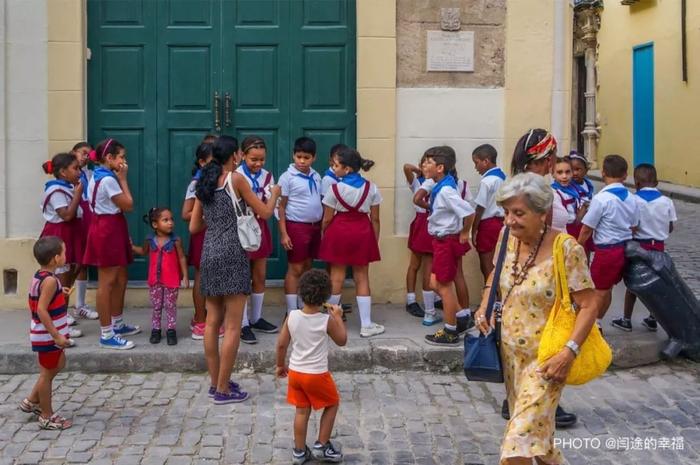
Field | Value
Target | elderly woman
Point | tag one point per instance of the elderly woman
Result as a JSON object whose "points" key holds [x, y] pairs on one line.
{"points": [[527, 290]]}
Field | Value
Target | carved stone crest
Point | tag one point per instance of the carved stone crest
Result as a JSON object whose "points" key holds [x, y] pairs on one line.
{"points": [[449, 19]]}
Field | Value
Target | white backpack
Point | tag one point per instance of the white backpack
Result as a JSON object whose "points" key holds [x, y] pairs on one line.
{"points": [[249, 232]]}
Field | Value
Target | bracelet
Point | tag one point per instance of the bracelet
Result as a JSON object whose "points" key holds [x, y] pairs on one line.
{"points": [[487, 287]]}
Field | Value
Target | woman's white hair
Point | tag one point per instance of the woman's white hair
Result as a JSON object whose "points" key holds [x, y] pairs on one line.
{"points": [[538, 194]]}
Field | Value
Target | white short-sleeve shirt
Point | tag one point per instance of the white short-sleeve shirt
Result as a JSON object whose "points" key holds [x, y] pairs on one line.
{"points": [[60, 197], [265, 180], [303, 203], [462, 188], [449, 211], [352, 195], [655, 216], [108, 188], [486, 196], [415, 186], [569, 202], [326, 182], [612, 217], [190, 192]]}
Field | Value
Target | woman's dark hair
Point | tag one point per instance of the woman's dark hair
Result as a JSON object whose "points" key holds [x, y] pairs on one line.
{"points": [[315, 287], [46, 248], [443, 155], [57, 163], [153, 215], [224, 148], [253, 142], [305, 144], [81, 145], [520, 156], [104, 149], [352, 158], [204, 151]]}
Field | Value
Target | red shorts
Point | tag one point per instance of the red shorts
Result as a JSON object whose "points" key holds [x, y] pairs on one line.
{"points": [[487, 234], [446, 254], [306, 240], [49, 360], [652, 245], [608, 266], [312, 390], [419, 240]]}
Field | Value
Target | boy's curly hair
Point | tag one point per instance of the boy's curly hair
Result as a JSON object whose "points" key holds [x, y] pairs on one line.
{"points": [[315, 287]]}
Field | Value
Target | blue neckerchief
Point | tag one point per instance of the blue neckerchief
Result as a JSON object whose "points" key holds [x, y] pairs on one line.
{"points": [[331, 174], [85, 182], [567, 190], [496, 172], [197, 174], [310, 179], [354, 180], [619, 192], [101, 173], [421, 180], [581, 191], [167, 247], [253, 177], [649, 194], [448, 180], [58, 182]]}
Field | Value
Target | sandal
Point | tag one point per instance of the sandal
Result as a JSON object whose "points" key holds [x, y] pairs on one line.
{"points": [[29, 407], [55, 422]]}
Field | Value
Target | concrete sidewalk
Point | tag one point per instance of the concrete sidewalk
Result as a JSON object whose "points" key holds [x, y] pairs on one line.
{"points": [[401, 347]]}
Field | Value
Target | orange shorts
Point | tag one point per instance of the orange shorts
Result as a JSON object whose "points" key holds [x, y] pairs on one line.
{"points": [[312, 390]]}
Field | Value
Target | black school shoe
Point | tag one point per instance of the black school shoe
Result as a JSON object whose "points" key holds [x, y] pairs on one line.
{"points": [[264, 326], [415, 309], [562, 418], [438, 304], [650, 323], [464, 323], [443, 337], [347, 308], [171, 337], [248, 336], [155, 336]]}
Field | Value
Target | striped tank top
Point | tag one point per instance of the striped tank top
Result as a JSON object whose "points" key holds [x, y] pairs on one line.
{"points": [[58, 311]]}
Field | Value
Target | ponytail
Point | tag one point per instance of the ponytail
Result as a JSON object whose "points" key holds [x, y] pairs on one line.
{"points": [[153, 215], [203, 152], [57, 163], [351, 158], [366, 164]]}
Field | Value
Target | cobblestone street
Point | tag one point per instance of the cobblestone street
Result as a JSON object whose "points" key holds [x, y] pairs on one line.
{"points": [[649, 415], [684, 243]]}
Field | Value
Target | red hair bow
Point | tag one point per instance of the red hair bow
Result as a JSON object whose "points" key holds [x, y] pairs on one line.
{"points": [[49, 167], [92, 155]]}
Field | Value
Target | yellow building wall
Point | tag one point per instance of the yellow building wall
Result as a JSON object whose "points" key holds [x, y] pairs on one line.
{"points": [[676, 103]]}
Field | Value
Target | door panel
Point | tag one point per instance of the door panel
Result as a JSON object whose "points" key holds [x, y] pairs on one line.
{"points": [[643, 103]]}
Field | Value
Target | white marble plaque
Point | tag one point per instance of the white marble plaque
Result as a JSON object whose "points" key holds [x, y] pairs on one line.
{"points": [[450, 51]]}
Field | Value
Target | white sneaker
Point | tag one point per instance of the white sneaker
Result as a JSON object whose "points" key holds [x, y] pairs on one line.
{"points": [[74, 332], [372, 330], [71, 342], [71, 320], [86, 312]]}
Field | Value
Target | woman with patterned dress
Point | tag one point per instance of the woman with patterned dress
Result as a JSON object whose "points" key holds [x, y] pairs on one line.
{"points": [[225, 269], [527, 290]]}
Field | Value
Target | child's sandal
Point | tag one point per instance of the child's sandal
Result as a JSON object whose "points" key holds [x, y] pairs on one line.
{"points": [[56, 422], [29, 407]]}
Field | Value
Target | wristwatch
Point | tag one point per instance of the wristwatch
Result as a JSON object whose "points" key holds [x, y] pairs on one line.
{"points": [[571, 344]]}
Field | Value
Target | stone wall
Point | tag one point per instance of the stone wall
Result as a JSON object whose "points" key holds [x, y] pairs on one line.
{"points": [[485, 17]]}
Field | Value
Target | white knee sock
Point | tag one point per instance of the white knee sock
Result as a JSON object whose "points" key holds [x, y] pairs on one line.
{"points": [[464, 312], [256, 304], [81, 288], [106, 331], [245, 321], [117, 321], [364, 303], [291, 302], [334, 299], [429, 302], [410, 298]]}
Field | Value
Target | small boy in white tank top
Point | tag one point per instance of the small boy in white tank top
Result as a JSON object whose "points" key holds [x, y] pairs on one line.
{"points": [[310, 383]]}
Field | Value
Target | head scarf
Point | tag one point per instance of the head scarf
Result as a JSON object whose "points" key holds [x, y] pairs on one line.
{"points": [[542, 149]]}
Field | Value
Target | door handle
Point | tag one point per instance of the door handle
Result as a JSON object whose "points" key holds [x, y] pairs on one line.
{"points": [[217, 112], [227, 109]]}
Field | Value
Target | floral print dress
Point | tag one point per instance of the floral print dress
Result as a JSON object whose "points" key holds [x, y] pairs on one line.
{"points": [[532, 400]]}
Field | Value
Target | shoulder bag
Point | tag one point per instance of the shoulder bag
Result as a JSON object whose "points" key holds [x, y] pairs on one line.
{"points": [[249, 232]]}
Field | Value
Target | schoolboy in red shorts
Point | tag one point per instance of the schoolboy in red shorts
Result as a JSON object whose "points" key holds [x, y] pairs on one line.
{"points": [[49, 330], [310, 384], [611, 218], [449, 223]]}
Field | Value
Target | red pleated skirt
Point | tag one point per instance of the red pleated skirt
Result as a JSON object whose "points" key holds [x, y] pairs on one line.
{"points": [[419, 240], [71, 233], [349, 240], [194, 251], [265, 244], [108, 242], [87, 218]]}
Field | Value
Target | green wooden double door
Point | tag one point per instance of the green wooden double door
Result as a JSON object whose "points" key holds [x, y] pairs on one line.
{"points": [[163, 73]]}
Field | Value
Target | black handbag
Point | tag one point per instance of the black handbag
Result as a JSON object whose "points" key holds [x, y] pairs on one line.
{"points": [[482, 357]]}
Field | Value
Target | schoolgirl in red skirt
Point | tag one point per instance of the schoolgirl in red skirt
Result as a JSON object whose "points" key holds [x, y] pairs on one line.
{"points": [[108, 244], [60, 207], [194, 252], [82, 150], [261, 181], [351, 232]]}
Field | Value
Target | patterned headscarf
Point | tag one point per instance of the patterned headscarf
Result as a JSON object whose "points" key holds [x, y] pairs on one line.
{"points": [[542, 149]]}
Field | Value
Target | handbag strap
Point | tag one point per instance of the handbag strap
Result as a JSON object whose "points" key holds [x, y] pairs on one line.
{"points": [[232, 193], [497, 273], [562, 283]]}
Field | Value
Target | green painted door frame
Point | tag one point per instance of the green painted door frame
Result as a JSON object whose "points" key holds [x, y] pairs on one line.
{"points": [[279, 69]]}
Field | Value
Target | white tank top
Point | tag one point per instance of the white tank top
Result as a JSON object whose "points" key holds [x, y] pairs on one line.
{"points": [[309, 333]]}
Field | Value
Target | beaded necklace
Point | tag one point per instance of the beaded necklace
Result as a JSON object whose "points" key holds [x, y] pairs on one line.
{"points": [[519, 272]]}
